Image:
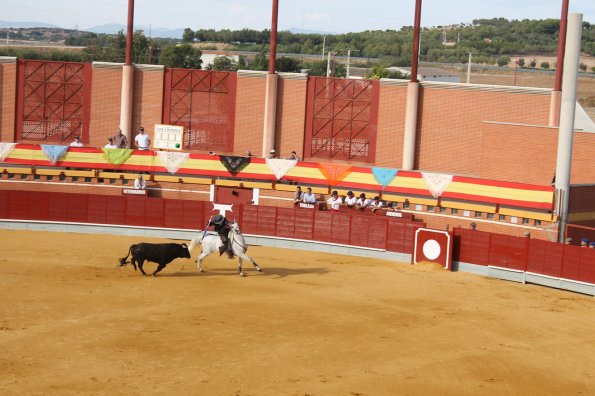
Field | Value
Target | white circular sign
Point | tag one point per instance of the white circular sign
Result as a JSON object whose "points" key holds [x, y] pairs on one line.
{"points": [[431, 249]]}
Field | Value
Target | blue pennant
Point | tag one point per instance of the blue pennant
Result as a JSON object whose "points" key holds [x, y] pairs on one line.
{"points": [[53, 152], [384, 175]]}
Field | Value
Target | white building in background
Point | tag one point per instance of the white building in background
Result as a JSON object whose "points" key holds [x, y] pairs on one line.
{"points": [[208, 57], [430, 74]]}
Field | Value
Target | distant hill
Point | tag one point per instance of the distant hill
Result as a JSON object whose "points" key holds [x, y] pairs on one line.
{"points": [[113, 28], [25, 25]]}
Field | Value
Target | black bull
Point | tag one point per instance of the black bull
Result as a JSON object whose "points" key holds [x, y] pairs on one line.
{"points": [[160, 253]]}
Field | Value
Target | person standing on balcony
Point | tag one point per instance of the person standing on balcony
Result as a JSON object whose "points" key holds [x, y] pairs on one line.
{"points": [[120, 140], [77, 142], [142, 140]]}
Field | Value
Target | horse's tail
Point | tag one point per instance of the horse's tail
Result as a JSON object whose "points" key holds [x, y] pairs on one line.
{"points": [[195, 241], [123, 259]]}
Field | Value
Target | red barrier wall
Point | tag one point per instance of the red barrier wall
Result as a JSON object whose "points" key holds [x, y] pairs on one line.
{"points": [[393, 234]]}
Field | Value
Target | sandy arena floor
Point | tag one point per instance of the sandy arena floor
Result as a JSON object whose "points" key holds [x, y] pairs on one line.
{"points": [[311, 324]]}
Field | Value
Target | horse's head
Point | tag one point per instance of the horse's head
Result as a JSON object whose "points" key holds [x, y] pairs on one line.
{"points": [[235, 227]]}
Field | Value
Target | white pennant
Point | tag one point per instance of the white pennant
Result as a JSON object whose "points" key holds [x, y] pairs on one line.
{"points": [[280, 167], [172, 160], [5, 150], [436, 182]]}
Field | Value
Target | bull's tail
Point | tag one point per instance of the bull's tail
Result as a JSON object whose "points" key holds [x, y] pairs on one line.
{"points": [[123, 260]]}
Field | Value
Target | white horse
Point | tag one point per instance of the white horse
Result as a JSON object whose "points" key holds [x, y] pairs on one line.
{"points": [[211, 242]]}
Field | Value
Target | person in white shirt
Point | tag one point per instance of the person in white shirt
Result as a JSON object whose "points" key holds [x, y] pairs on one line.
{"points": [[139, 183], [309, 197], [350, 200], [376, 204], [77, 142], [142, 140], [362, 202], [334, 201], [110, 143]]}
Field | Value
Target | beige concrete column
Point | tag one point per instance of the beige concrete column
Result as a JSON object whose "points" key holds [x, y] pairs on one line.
{"points": [[126, 100], [567, 111], [270, 114], [410, 126]]}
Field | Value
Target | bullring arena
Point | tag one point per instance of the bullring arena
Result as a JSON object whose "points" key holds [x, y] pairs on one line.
{"points": [[311, 323], [472, 281]]}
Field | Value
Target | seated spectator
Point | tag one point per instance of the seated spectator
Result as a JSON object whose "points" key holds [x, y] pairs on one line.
{"points": [[308, 197], [584, 242], [293, 156], [298, 195], [110, 143], [139, 183], [592, 245], [376, 204], [568, 241], [334, 201], [362, 202], [350, 200], [77, 142], [392, 207], [526, 234], [272, 154], [249, 154]]}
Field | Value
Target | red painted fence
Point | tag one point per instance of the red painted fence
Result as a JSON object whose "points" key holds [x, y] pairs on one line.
{"points": [[389, 233]]}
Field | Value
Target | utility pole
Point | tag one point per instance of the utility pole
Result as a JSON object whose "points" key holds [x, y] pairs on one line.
{"points": [[348, 60], [323, 43], [469, 69], [328, 64]]}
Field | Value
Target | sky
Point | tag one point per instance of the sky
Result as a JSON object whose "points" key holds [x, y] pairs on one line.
{"points": [[334, 16]]}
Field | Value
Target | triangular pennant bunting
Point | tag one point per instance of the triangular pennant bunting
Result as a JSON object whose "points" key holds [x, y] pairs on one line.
{"points": [[384, 175], [233, 163], [335, 173], [172, 161], [436, 182], [280, 167], [116, 156], [5, 150], [53, 152]]}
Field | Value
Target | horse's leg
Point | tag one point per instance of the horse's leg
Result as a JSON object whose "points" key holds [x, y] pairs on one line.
{"points": [[245, 256], [240, 267], [199, 260]]}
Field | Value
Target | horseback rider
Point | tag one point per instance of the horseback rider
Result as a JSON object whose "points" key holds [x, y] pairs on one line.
{"points": [[222, 227]]}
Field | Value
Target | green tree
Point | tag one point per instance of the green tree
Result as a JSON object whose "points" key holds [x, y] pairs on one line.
{"points": [[223, 63], [188, 35], [285, 64], [182, 56], [503, 61], [582, 67], [533, 63], [260, 62], [379, 72], [545, 65], [521, 62]]}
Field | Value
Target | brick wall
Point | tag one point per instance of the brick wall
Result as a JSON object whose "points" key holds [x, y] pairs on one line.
{"points": [[529, 154], [291, 117], [449, 138], [8, 84], [106, 90], [148, 98], [249, 122], [391, 125]]}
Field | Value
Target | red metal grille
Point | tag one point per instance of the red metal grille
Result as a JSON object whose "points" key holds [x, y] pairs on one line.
{"points": [[342, 118], [203, 102], [53, 100]]}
